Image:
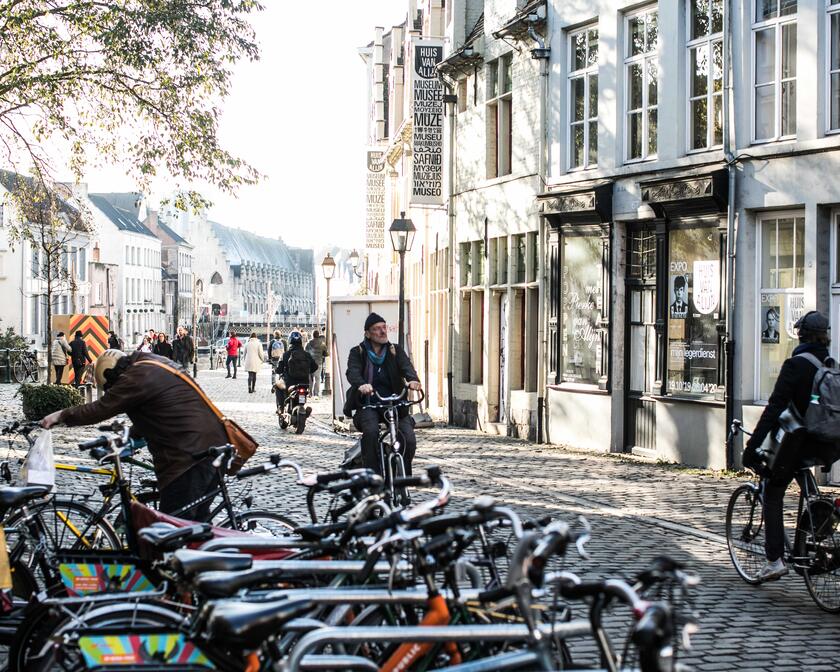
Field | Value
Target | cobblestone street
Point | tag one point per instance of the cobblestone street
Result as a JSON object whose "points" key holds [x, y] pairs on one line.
{"points": [[637, 511]]}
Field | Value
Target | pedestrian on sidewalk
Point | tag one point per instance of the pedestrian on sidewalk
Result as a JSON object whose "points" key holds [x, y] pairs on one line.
{"points": [[165, 410], [276, 350], [183, 349], [232, 348], [79, 357], [317, 347], [146, 345], [163, 347], [254, 358], [114, 341], [60, 350]]}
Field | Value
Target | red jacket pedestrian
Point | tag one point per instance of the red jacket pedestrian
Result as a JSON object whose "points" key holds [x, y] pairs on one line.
{"points": [[233, 346]]}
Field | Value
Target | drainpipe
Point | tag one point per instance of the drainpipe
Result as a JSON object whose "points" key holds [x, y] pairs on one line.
{"points": [[541, 53], [450, 100], [731, 225]]}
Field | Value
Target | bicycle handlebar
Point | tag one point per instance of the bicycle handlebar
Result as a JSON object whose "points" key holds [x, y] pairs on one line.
{"points": [[395, 400]]}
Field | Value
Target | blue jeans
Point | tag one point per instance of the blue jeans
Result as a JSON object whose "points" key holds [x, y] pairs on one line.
{"points": [[235, 360]]}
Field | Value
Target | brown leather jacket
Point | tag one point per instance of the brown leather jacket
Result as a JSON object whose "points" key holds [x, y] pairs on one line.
{"points": [[164, 410]]}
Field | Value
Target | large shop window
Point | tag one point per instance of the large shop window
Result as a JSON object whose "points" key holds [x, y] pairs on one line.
{"points": [[694, 310], [580, 308], [781, 294]]}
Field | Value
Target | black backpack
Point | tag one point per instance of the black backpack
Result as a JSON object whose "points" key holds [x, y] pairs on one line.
{"points": [[298, 365]]}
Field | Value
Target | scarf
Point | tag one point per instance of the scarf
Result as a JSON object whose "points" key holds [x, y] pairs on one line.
{"points": [[819, 350], [377, 360]]}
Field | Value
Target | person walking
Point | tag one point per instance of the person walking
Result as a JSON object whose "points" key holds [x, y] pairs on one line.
{"points": [[60, 350], [254, 357], [183, 349], [79, 357], [276, 350], [165, 410], [232, 347], [163, 347], [317, 347], [377, 365], [146, 345], [114, 341]]}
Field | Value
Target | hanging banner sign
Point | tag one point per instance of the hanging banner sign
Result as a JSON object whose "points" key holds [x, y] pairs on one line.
{"points": [[427, 104], [375, 195]]}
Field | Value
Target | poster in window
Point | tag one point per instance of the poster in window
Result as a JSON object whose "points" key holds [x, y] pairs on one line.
{"points": [[794, 309], [770, 324], [706, 290], [679, 297]]}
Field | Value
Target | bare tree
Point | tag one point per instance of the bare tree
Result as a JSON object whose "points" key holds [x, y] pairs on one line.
{"points": [[44, 220]]}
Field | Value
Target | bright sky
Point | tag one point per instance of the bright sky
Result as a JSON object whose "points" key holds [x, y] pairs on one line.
{"points": [[298, 116]]}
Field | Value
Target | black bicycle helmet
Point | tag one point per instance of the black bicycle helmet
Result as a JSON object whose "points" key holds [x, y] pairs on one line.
{"points": [[295, 338], [813, 322]]}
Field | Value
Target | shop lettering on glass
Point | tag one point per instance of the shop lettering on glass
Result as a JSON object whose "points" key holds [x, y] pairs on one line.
{"points": [[427, 133], [692, 368], [706, 289], [794, 309], [375, 196]]}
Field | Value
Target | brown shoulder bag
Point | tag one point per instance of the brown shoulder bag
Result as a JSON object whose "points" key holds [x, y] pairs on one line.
{"points": [[243, 442]]}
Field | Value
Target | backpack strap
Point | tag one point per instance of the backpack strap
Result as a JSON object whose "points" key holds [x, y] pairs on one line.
{"points": [[813, 359], [187, 380]]}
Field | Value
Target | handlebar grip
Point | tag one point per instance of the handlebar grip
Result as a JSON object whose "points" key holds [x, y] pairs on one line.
{"points": [[652, 629], [253, 471], [378, 525], [214, 451], [327, 478], [98, 453], [495, 594], [410, 481], [581, 590], [99, 442]]}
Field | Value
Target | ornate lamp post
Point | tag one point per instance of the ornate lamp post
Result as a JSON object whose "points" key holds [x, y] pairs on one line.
{"points": [[402, 236], [328, 267], [198, 290]]}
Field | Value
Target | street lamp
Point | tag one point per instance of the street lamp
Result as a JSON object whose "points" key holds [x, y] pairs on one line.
{"points": [[198, 291], [328, 267], [402, 236], [354, 262]]}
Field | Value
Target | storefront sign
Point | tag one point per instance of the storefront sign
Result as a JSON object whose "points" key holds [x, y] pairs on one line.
{"points": [[706, 290], [427, 102], [375, 195]]}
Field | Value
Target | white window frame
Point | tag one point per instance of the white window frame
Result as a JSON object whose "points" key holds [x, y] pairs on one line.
{"points": [[584, 74], [760, 219], [832, 8], [627, 62], [757, 26], [498, 103], [691, 44]]}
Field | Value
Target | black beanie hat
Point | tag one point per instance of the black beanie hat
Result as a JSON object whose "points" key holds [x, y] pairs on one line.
{"points": [[373, 318]]}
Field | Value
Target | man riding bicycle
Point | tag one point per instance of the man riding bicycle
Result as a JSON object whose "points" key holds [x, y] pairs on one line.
{"points": [[380, 366], [793, 385]]}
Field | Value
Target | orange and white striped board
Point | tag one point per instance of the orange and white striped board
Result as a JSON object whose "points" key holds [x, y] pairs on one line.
{"points": [[94, 330]]}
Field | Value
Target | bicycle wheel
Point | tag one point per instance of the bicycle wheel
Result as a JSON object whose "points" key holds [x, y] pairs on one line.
{"points": [[745, 532], [19, 370], [34, 371], [817, 539], [264, 523]]}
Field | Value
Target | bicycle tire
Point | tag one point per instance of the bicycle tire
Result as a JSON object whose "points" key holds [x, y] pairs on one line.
{"points": [[265, 523], [34, 372], [19, 370], [745, 532], [817, 539]]}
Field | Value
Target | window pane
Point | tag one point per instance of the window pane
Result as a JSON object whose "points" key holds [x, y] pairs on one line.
{"points": [[507, 79], [717, 120], [799, 252], [789, 108], [592, 56], [717, 65], [636, 37], [777, 313], [717, 16], [634, 135], [579, 51], [765, 56], [593, 96], [699, 18], [653, 80], [593, 143], [635, 80], [700, 70], [578, 99], [834, 39], [577, 145], [766, 9], [652, 31], [787, 7], [492, 80], [765, 100], [582, 278], [835, 101], [699, 123], [789, 50], [652, 131], [785, 253], [694, 299]]}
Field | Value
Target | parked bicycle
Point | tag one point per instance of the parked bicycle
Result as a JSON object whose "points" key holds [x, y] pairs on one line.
{"points": [[814, 552], [25, 367]]}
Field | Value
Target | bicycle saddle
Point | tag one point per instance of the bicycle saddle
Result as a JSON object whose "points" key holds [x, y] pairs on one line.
{"points": [[189, 563], [249, 625], [318, 532], [11, 497], [227, 584], [167, 538]]}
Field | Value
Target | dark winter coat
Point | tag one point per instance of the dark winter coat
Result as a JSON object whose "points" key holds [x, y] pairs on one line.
{"points": [[79, 354], [283, 366], [398, 368], [183, 350], [163, 349]]}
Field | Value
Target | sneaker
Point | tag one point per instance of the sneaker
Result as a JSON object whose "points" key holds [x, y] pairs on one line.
{"points": [[773, 571]]}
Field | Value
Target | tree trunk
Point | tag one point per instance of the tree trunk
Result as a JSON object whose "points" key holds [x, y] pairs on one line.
{"points": [[49, 330]]}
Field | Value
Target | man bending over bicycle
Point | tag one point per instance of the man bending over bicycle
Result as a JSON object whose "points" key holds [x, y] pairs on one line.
{"points": [[377, 365], [793, 385]]}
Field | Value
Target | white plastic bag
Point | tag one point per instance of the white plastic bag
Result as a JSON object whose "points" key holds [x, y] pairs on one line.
{"points": [[39, 468]]}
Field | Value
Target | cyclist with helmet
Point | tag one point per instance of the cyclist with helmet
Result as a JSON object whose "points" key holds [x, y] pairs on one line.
{"points": [[793, 385], [294, 368], [165, 410]]}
